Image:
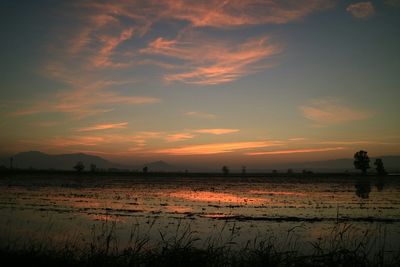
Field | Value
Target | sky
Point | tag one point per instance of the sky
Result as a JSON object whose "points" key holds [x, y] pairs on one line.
{"points": [[240, 82]]}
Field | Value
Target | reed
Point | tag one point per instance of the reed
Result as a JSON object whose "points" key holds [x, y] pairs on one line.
{"points": [[345, 245]]}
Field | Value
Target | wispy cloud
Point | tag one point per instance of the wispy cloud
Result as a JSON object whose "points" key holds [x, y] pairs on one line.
{"points": [[189, 134], [150, 135], [85, 100], [332, 111], [200, 114], [71, 141], [132, 19], [102, 58], [178, 137], [361, 10], [218, 148], [95, 141], [216, 131], [213, 62], [248, 12], [106, 126], [293, 151], [210, 13], [297, 139], [356, 142]]}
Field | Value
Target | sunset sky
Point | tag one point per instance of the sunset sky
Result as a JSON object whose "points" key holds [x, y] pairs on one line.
{"points": [[243, 82]]}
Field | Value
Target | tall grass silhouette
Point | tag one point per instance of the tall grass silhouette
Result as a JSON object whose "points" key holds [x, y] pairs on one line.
{"points": [[345, 245]]}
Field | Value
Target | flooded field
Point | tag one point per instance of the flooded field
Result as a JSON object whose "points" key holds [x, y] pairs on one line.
{"points": [[298, 211]]}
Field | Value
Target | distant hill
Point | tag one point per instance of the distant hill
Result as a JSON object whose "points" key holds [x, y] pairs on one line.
{"points": [[43, 161], [39, 160]]}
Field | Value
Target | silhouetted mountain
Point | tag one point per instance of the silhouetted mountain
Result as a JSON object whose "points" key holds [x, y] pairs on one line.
{"points": [[39, 160], [160, 166]]}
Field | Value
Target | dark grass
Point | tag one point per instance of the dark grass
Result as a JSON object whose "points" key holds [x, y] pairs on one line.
{"points": [[344, 246]]}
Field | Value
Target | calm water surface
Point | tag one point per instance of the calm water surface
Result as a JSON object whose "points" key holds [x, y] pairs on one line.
{"points": [[70, 208]]}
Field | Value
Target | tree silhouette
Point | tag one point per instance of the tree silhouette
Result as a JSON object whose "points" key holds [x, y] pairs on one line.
{"points": [[79, 166], [145, 169], [361, 161], [225, 170], [379, 167]]}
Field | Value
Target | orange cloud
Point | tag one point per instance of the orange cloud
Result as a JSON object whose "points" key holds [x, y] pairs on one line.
{"points": [[86, 100], [361, 142], [122, 143], [104, 127], [308, 150], [72, 141], [211, 13], [218, 148], [102, 58], [104, 26], [297, 139], [84, 37], [199, 114], [216, 131], [236, 13], [213, 62], [224, 62], [178, 137], [331, 111], [361, 10], [150, 135]]}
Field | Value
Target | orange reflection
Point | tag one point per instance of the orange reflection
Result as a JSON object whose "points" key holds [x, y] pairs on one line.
{"points": [[105, 217], [178, 209], [279, 193], [208, 196], [217, 216]]}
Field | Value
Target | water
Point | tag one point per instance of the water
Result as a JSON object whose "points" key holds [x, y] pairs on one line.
{"points": [[61, 209]]}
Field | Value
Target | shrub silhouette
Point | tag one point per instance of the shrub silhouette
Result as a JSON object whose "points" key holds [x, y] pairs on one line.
{"points": [[361, 161], [225, 170], [79, 167], [380, 169]]}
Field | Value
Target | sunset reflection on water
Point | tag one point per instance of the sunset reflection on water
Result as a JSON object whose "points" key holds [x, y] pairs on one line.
{"points": [[278, 193], [178, 209], [204, 204], [216, 197], [105, 218]]}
